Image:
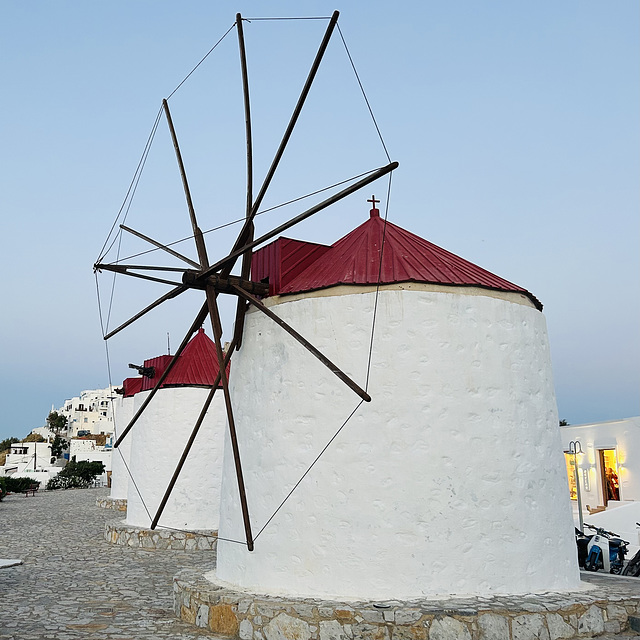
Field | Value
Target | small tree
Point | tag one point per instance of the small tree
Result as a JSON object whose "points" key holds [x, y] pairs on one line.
{"points": [[5, 444], [56, 422], [76, 474], [58, 445]]}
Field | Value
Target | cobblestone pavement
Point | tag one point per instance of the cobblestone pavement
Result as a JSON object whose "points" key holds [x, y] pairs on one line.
{"points": [[73, 584]]}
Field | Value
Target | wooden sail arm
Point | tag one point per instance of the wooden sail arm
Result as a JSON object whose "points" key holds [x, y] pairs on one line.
{"points": [[126, 268], [245, 271], [243, 236], [159, 245], [216, 325], [129, 270], [197, 233]]}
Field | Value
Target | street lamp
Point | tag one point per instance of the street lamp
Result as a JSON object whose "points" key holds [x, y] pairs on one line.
{"points": [[575, 448]]}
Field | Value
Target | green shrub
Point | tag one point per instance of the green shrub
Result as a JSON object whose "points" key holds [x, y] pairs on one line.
{"points": [[78, 475], [9, 484]]}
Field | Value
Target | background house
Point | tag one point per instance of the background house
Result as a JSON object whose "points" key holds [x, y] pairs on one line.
{"points": [[90, 411], [609, 467]]}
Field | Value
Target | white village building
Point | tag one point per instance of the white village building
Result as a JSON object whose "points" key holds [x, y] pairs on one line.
{"points": [[608, 473], [609, 467], [88, 450], [450, 481], [90, 412], [32, 460]]}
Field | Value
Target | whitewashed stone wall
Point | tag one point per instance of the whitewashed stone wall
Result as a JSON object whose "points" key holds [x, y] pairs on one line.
{"points": [[451, 481], [123, 412], [158, 440]]}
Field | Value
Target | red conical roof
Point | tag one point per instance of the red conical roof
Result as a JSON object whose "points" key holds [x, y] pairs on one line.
{"points": [[197, 364], [355, 259], [131, 386]]}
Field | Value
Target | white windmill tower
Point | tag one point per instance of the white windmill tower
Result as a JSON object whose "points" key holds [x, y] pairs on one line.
{"points": [[441, 483]]}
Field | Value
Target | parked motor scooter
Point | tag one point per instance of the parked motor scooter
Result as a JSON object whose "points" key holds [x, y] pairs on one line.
{"points": [[633, 567], [582, 541], [605, 550]]}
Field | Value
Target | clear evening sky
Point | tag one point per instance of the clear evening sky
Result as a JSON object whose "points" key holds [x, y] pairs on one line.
{"points": [[515, 125]]}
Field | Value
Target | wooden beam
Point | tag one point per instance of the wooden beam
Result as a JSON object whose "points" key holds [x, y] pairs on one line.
{"points": [[164, 247], [224, 285]]}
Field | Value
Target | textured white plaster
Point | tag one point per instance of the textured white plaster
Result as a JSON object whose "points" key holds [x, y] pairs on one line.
{"points": [[123, 412], [450, 481], [158, 439]]}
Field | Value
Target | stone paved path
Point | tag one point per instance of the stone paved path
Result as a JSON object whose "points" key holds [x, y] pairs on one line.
{"points": [[73, 584]]}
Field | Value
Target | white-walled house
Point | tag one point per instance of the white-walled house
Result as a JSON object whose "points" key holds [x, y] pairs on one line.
{"points": [[32, 460], [90, 411], [609, 467], [81, 450], [34, 455]]}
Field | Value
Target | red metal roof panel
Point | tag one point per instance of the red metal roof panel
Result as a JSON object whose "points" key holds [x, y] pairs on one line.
{"points": [[282, 260], [197, 365], [355, 259], [159, 364], [131, 386]]}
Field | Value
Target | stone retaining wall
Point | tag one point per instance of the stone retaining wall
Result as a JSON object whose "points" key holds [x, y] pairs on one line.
{"points": [[107, 502], [548, 616], [126, 535]]}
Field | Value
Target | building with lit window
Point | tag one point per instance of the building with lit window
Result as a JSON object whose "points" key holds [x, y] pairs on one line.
{"points": [[609, 465]]}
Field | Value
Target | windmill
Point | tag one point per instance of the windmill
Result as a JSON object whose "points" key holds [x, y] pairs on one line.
{"points": [[216, 278]]}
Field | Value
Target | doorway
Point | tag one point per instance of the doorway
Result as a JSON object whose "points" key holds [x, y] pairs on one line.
{"points": [[609, 475]]}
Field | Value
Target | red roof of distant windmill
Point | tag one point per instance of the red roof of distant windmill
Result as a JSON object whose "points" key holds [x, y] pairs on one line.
{"points": [[197, 364], [355, 259], [131, 386]]}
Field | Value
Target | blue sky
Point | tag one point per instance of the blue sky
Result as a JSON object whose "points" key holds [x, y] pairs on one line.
{"points": [[515, 125]]}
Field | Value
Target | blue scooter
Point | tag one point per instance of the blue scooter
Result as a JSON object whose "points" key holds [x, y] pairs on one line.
{"points": [[605, 550]]}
